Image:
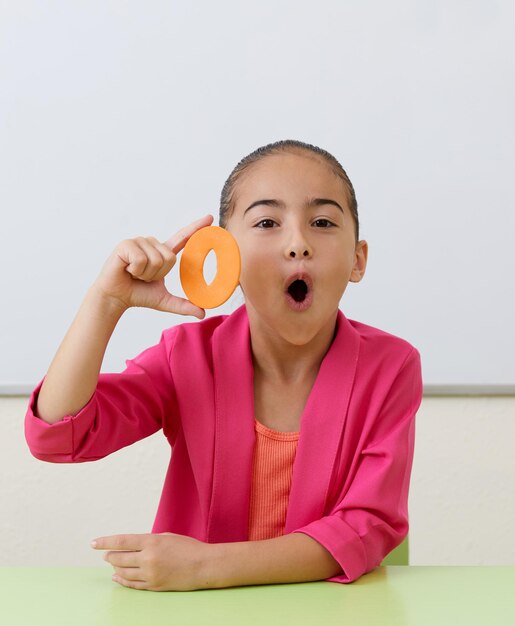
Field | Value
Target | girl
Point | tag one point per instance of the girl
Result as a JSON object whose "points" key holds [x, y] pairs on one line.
{"points": [[292, 427]]}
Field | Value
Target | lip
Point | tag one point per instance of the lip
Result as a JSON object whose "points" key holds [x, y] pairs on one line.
{"points": [[308, 300], [300, 275]]}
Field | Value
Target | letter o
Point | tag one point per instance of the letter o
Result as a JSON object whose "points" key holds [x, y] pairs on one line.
{"points": [[227, 276]]}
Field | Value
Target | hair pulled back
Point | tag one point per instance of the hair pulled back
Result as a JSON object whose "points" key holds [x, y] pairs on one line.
{"points": [[285, 145]]}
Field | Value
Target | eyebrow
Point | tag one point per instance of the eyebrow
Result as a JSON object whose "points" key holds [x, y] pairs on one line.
{"points": [[279, 204]]}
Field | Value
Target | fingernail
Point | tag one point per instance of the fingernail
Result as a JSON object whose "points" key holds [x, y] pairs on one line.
{"points": [[93, 544]]}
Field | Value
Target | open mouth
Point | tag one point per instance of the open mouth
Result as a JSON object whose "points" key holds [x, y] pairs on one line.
{"points": [[298, 290]]}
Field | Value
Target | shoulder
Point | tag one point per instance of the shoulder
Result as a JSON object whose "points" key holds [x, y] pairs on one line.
{"points": [[198, 333], [379, 345], [203, 327], [389, 374], [372, 334]]}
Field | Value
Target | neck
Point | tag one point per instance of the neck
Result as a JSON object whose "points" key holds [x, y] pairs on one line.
{"points": [[274, 358]]}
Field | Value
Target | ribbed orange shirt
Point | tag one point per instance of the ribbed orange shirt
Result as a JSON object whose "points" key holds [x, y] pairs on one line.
{"points": [[274, 454]]}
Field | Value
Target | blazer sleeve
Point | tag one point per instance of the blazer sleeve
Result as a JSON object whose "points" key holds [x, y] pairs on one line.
{"points": [[124, 408], [372, 517]]}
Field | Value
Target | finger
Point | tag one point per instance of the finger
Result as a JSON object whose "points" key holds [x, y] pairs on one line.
{"points": [[178, 241], [130, 573], [169, 260], [155, 259], [134, 258], [133, 584], [176, 304], [119, 542], [122, 558]]}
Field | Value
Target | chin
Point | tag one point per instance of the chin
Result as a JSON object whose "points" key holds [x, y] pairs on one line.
{"points": [[298, 334]]}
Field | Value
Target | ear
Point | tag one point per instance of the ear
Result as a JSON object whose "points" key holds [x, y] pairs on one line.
{"points": [[360, 261]]}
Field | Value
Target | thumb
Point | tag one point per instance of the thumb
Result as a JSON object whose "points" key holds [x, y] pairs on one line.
{"points": [[176, 304]]}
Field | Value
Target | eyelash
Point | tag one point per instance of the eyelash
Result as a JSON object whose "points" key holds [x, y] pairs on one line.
{"points": [[271, 220]]}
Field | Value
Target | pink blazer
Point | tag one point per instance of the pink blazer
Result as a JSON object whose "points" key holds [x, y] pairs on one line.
{"points": [[353, 463]]}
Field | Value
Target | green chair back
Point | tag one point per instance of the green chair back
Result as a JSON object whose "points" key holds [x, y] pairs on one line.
{"points": [[399, 555]]}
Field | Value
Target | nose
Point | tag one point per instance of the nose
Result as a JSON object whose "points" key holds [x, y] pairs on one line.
{"points": [[294, 253], [298, 248]]}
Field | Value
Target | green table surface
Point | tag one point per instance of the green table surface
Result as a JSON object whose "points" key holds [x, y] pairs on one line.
{"points": [[400, 595]]}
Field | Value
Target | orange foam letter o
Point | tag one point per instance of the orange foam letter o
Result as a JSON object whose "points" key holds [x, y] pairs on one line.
{"points": [[227, 276]]}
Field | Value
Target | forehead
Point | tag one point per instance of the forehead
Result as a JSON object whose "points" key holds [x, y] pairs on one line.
{"points": [[288, 174]]}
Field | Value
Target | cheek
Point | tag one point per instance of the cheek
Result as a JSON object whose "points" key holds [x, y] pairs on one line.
{"points": [[339, 268], [257, 271]]}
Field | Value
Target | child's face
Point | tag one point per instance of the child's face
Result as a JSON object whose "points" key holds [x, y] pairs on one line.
{"points": [[325, 249]]}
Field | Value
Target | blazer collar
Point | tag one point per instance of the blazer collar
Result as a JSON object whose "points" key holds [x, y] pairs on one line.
{"points": [[321, 429]]}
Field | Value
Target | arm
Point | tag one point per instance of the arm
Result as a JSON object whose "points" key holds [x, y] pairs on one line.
{"points": [[132, 276], [123, 408], [77, 414], [73, 373], [291, 558], [173, 562], [371, 517]]}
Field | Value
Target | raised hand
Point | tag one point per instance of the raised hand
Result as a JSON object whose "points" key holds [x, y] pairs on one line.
{"points": [[134, 273]]}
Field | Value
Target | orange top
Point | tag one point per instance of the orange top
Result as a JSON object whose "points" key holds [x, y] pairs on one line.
{"points": [[274, 454]]}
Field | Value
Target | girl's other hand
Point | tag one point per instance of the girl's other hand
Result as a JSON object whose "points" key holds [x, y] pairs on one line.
{"points": [[134, 273], [159, 562]]}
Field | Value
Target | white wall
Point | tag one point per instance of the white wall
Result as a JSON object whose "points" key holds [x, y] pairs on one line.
{"points": [[120, 119], [461, 498], [462, 501]]}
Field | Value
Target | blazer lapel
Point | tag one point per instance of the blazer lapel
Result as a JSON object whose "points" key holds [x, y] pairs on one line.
{"points": [[321, 428], [234, 430]]}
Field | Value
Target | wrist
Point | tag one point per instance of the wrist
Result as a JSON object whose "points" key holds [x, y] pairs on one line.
{"points": [[105, 304], [210, 572]]}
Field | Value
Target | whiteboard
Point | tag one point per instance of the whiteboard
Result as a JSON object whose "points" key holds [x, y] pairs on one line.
{"points": [[121, 119]]}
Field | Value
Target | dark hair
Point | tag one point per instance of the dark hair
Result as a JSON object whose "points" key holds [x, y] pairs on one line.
{"points": [[286, 145]]}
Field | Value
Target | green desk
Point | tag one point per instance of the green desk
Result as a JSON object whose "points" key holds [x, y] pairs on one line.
{"points": [[397, 595]]}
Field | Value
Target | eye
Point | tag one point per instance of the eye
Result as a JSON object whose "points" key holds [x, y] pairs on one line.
{"points": [[262, 221], [326, 221]]}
